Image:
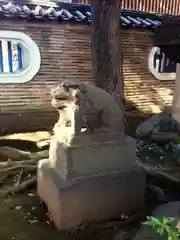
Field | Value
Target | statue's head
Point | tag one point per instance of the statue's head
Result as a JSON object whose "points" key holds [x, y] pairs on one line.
{"points": [[65, 94]]}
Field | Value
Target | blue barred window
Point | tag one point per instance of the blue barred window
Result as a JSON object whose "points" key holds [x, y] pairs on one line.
{"points": [[19, 57], [11, 56]]}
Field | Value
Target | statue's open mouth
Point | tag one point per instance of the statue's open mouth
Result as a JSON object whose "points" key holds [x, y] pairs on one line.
{"points": [[60, 98], [61, 107]]}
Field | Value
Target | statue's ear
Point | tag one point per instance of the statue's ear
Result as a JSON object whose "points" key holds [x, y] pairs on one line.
{"points": [[54, 90]]}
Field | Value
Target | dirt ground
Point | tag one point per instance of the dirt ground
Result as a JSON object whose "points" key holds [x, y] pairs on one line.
{"points": [[22, 218]]}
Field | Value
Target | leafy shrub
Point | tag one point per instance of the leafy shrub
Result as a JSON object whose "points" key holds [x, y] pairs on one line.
{"points": [[166, 227]]}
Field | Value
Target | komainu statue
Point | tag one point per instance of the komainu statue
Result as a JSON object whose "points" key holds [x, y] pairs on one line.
{"points": [[97, 108], [89, 158]]}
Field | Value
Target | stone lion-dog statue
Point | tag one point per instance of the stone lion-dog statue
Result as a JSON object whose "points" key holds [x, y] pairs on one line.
{"points": [[95, 108], [84, 166]]}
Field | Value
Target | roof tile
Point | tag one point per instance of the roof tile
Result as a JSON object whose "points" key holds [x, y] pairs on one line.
{"points": [[75, 13]]}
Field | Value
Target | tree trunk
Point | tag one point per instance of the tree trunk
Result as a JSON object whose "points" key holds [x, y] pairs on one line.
{"points": [[106, 48]]}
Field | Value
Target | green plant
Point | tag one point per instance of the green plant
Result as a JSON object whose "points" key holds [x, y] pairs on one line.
{"points": [[167, 227]]}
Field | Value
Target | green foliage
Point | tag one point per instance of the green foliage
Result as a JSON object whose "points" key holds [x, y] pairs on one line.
{"points": [[165, 227]]}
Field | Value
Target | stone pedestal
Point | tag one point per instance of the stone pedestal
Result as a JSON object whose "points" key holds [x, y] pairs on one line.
{"points": [[100, 180]]}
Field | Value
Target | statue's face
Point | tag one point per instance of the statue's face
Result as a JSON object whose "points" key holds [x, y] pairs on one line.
{"points": [[63, 95], [59, 97]]}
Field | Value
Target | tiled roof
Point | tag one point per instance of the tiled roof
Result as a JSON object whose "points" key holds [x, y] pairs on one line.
{"points": [[76, 13]]}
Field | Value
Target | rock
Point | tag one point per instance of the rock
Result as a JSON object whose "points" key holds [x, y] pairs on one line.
{"points": [[171, 209], [147, 233], [161, 127], [146, 128]]}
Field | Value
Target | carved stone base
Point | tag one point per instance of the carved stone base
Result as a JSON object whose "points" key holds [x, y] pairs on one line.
{"points": [[100, 153], [91, 154], [95, 198], [102, 181]]}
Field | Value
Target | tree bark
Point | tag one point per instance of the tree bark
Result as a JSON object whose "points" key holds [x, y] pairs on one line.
{"points": [[106, 47]]}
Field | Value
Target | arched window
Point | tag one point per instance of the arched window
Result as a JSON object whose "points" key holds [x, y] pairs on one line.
{"points": [[160, 66], [19, 57]]}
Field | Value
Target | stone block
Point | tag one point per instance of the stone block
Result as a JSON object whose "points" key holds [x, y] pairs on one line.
{"points": [[91, 154], [93, 198]]}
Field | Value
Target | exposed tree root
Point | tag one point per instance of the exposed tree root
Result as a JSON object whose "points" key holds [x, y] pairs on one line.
{"points": [[15, 154], [15, 165], [17, 188]]}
